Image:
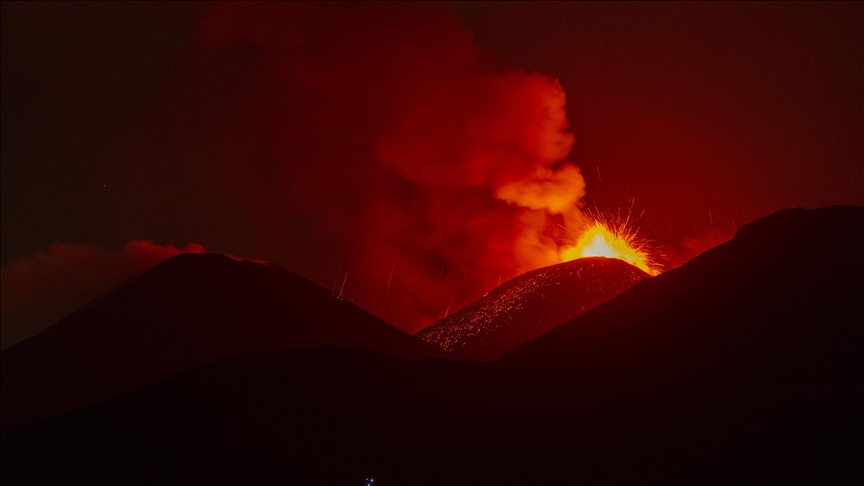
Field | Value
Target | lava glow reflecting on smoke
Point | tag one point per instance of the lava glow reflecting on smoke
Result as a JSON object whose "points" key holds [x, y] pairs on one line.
{"points": [[612, 238]]}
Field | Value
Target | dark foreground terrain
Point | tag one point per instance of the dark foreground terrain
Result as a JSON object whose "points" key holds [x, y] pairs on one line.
{"points": [[741, 367], [188, 311]]}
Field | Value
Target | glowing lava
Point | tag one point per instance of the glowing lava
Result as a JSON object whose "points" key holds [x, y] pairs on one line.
{"points": [[612, 240]]}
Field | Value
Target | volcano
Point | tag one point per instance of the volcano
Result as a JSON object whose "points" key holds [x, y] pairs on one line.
{"points": [[190, 310], [741, 366], [530, 305]]}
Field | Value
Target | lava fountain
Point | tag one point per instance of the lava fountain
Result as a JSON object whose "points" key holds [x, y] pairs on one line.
{"points": [[612, 237]]}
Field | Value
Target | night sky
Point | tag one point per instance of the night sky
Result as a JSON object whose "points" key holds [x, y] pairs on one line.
{"points": [[381, 139]]}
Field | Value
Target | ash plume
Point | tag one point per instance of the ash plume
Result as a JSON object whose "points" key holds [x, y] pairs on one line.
{"points": [[372, 148], [372, 140]]}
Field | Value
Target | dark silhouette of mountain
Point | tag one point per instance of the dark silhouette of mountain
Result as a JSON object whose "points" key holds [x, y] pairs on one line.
{"points": [[530, 305], [741, 367], [188, 311]]}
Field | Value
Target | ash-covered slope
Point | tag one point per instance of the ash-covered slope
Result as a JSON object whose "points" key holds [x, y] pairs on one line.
{"points": [[741, 367], [530, 305], [188, 311]]}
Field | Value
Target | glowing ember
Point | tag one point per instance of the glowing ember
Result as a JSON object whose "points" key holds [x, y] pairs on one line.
{"points": [[612, 238]]}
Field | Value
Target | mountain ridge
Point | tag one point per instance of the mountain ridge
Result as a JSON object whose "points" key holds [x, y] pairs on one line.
{"points": [[190, 310], [743, 368]]}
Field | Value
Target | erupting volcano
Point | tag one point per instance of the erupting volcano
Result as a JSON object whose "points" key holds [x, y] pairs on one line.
{"points": [[608, 257], [461, 243]]}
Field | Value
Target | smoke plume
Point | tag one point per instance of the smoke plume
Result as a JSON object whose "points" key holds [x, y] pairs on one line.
{"points": [[372, 148]]}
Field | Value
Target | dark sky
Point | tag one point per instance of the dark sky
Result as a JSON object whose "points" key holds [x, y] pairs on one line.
{"points": [[279, 132], [687, 106]]}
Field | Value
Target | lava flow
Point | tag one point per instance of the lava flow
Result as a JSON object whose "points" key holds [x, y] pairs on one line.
{"points": [[613, 238]]}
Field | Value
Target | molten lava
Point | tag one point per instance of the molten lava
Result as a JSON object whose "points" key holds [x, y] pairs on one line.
{"points": [[612, 238]]}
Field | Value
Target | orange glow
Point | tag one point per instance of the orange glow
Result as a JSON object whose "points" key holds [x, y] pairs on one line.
{"points": [[612, 239]]}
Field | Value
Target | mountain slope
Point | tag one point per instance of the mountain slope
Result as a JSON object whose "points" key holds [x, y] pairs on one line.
{"points": [[530, 305], [190, 310], [742, 366]]}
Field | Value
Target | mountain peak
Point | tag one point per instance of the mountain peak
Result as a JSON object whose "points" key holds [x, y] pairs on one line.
{"points": [[190, 310]]}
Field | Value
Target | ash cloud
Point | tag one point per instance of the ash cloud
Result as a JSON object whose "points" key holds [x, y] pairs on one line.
{"points": [[372, 139], [39, 290]]}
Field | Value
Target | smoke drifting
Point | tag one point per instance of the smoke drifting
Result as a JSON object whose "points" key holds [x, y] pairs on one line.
{"points": [[370, 140], [37, 291], [376, 150], [372, 148]]}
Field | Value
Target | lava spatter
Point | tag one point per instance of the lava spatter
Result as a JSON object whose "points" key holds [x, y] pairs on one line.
{"points": [[530, 305]]}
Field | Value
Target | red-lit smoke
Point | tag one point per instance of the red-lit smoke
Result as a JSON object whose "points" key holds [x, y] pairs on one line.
{"points": [[372, 139], [37, 291]]}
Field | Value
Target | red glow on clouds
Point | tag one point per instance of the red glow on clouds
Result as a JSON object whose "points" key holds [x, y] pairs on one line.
{"points": [[375, 149], [37, 291], [372, 148], [410, 161]]}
